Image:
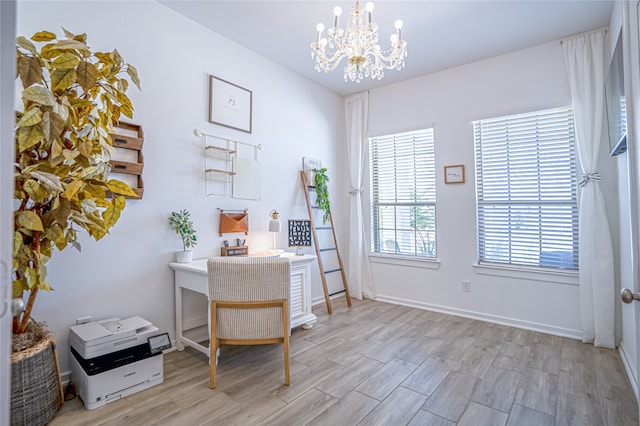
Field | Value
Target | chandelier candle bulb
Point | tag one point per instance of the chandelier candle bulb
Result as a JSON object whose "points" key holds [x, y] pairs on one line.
{"points": [[320, 28], [398, 24], [369, 8], [337, 11]]}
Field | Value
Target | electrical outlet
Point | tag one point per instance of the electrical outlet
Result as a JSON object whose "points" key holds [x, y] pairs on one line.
{"points": [[83, 320], [466, 286]]}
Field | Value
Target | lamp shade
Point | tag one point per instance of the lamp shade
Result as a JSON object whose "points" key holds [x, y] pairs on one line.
{"points": [[274, 223]]}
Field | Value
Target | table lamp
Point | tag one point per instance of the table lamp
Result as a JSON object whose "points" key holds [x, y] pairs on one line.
{"points": [[274, 226]]}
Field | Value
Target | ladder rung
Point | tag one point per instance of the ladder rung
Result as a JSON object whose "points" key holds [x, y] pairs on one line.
{"points": [[320, 228], [337, 292], [332, 270], [328, 249]]}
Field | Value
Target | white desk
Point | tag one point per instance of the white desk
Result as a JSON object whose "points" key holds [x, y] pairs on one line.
{"points": [[194, 276]]}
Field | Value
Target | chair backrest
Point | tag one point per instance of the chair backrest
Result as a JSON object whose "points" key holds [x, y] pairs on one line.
{"points": [[249, 279]]}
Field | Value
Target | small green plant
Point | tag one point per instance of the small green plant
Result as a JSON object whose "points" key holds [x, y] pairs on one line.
{"points": [[322, 192], [181, 223]]}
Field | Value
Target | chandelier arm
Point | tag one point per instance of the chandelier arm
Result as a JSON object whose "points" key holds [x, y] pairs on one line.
{"points": [[388, 66], [342, 47], [392, 58], [329, 64]]}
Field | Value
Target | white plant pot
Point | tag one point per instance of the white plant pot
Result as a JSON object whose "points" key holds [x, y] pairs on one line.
{"points": [[184, 256]]}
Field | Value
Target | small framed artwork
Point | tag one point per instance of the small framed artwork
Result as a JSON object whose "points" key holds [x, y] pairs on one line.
{"points": [[299, 234], [310, 163], [229, 104], [454, 174]]}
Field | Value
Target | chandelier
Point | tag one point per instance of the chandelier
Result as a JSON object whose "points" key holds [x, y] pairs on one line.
{"points": [[359, 44]]}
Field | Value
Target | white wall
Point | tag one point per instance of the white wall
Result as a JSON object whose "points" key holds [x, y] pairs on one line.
{"points": [[527, 80], [126, 273]]}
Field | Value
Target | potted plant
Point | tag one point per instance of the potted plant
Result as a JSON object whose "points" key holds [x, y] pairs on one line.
{"points": [[322, 192], [182, 224], [72, 98]]}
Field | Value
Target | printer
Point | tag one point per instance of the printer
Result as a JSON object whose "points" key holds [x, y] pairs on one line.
{"points": [[114, 358]]}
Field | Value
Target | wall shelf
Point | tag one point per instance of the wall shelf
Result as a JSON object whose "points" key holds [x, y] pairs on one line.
{"points": [[128, 162], [227, 170], [218, 168], [225, 150]]}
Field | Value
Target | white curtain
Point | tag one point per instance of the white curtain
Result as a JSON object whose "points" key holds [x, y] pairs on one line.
{"points": [[584, 59], [358, 268]]}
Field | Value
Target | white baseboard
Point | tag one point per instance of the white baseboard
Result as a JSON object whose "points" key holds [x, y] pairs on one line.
{"points": [[628, 363], [65, 378], [512, 322], [198, 321]]}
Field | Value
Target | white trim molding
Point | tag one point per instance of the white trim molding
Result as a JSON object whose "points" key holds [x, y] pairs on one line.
{"points": [[530, 274], [399, 260], [495, 319]]}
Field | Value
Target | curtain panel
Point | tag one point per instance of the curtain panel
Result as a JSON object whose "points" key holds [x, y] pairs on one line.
{"points": [[585, 63], [358, 268]]}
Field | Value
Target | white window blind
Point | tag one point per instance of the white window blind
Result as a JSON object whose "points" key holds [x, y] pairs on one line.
{"points": [[527, 207], [403, 194]]}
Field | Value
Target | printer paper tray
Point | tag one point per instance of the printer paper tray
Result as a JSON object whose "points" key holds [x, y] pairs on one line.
{"points": [[110, 385]]}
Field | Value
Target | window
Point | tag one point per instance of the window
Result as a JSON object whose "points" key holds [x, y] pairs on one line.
{"points": [[403, 194], [527, 208]]}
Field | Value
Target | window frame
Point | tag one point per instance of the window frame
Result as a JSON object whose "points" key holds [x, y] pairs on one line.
{"points": [[427, 182], [519, 197]]}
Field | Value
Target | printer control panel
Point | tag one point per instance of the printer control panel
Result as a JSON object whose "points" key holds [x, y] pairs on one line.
{"points": [[159, 343]]}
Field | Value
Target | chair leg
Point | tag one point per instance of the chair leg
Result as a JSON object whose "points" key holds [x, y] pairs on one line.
{"points": [[213, 347], [285, 331], [286, 360]]}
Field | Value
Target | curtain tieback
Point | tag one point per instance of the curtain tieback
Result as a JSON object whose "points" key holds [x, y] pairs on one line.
{"points": [[355, 191], [595, 176]]}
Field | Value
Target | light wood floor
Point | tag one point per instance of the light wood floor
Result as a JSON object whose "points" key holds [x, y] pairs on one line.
{"points": [[384, 364]]}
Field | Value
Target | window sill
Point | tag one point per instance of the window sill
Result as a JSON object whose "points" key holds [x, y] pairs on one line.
{"points": [[394, 259], [524, 273]]}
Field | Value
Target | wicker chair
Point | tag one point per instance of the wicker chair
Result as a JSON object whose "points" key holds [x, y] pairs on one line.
{"points": [[249, 301]]}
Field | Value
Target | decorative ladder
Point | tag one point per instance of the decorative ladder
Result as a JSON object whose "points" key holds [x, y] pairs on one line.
{"points": [[307, 186]]}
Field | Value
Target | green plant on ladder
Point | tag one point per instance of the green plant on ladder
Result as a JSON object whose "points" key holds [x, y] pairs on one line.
{"points": [[322, 192]]}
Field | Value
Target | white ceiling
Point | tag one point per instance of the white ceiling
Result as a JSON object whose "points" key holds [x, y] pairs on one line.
{"points": [[439, 34]]}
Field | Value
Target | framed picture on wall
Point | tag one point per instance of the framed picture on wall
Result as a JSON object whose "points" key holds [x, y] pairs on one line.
{"points": [[229, 104], [310, 163], [299, 234], [454, 174]]}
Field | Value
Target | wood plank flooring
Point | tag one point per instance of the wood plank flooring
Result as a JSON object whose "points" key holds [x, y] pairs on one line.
{"points": [[383, 364]]}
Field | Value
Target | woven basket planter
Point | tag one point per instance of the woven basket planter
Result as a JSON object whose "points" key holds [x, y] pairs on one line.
{"points": [[36, 389]]}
